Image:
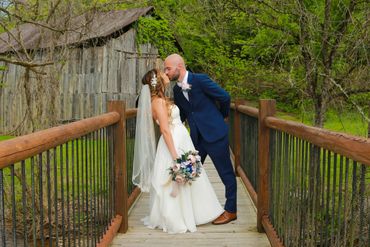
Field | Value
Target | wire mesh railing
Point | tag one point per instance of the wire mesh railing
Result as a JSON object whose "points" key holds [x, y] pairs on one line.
{"points": [[249, 148], [65, 186], [63, 196], [317, 197], [311, 186], [130, 145]]}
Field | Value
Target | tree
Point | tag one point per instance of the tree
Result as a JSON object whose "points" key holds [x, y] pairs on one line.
{"points": [[321, 48], [36, 32], [307, 51]]}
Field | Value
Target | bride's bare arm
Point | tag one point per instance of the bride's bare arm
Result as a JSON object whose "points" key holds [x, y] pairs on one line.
{"points": [[160, 113]]}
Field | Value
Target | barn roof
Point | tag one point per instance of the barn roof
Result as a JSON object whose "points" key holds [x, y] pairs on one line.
{"points": [[80, 29]]}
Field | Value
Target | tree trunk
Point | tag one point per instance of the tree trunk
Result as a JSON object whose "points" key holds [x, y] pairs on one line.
{"points": [[319, 113]]}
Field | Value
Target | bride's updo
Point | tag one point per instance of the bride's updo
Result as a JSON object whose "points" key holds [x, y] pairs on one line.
{"points": [[157, 86]]}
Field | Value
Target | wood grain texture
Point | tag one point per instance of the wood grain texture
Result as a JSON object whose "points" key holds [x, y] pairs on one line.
{"points": [[20, 148], [266, 108], [88, 77], [111, 232], [242, 232], [250, 111], [237, 138], [120, 165], [354, 147], [271, 233], [248, 185]]}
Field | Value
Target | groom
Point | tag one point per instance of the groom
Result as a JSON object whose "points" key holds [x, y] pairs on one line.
{"points": [[206, 107]]}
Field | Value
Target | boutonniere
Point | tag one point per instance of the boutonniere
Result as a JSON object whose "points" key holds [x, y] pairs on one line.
{"points": [[185, 86]]}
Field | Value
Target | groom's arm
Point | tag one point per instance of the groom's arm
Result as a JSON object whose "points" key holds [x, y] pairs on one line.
{"points": [[214, 91]]}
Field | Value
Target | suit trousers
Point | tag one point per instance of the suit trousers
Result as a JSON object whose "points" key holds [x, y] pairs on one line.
{"points": [[219, 153]]}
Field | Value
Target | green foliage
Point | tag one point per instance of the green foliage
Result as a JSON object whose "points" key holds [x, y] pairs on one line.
{"points": [[3, 138], [156, 31], [362, 99], [255, 48]]}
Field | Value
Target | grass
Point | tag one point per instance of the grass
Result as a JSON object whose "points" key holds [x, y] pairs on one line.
{"points": [[350, 122], [91, 185], [3, 138], [58, 158]]}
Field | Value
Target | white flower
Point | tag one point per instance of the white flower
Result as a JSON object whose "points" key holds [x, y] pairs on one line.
{"points": [[192, 158], [185, 86], [153, 81], [176, 167], [198, 158]]}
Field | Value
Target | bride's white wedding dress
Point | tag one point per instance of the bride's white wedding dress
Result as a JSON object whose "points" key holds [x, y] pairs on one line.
{"points": [[194, 204]]}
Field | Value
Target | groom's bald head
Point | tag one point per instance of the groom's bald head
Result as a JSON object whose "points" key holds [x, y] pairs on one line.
{"points": [[175, 59], [174, 67]]}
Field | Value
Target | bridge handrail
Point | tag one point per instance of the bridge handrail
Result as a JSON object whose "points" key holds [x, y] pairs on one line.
{"points": [[22, 147], [318, 154], [106, 134]]}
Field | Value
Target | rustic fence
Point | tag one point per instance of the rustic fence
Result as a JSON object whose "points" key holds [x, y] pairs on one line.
{"points": [[310, 186], [68, 185]]}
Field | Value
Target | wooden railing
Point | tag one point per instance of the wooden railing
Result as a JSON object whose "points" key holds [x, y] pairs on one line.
{"points": [[68, 185], [312, 185]]}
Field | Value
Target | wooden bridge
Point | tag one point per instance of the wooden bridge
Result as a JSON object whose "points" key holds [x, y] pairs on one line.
{"points": [[242, 232], [297, 185]]}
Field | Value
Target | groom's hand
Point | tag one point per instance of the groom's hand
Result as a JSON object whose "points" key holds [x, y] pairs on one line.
{"points": [[226, 119]]}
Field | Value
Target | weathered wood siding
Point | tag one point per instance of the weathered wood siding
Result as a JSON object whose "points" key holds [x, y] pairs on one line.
{"points": [[85, 81]]}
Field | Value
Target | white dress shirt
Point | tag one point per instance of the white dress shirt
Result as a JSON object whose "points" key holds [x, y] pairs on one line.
{"points": [[184, 80]]}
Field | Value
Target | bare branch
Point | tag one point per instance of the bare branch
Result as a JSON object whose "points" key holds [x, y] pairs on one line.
{"points": [[275, 9], [31, 65], [351, 92], [18, 40], [265, 24], [52, 11], [347, 93], [325, 32], [341, 31], [20, 18]]}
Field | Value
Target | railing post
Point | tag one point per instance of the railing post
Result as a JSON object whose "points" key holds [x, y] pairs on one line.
{"points": [[120, 180], [266, 108], [368, 124], [237, 136]]}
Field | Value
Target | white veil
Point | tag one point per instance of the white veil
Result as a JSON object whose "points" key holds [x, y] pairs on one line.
{"points": [[145, 146]]}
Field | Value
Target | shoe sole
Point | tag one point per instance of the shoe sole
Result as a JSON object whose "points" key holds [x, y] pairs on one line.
{"points": [[224, 222]]}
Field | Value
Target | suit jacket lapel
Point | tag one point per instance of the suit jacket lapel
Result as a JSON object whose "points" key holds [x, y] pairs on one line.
{"points": [[181, 95], [190, 81]]}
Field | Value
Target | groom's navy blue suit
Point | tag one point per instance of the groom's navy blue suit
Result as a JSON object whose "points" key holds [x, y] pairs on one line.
{"points": [[205, 111]]}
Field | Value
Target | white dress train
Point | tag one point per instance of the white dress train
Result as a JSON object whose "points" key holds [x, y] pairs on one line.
{"points": [[194, 204]]}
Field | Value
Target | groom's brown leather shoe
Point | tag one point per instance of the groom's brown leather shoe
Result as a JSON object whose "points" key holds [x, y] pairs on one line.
{"points": [[224, 218]]}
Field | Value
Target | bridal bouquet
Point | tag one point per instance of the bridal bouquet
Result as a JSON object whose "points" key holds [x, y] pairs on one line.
{"points": [[186, 168]]}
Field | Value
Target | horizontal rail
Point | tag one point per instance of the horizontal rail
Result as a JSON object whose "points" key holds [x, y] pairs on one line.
{"points": [[251, 111], [354, 147], [248, 110], [133, 196], [111, 232], [248, 185], [130, 113], [23, 147], [271, 233]]}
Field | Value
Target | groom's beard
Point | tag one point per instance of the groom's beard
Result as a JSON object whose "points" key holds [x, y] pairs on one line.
{"points": [[176, 76]]}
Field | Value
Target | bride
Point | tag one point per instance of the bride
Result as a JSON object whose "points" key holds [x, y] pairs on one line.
{"points": [[175, 208]]}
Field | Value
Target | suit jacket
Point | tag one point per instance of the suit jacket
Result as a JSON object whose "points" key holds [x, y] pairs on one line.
{"points": [[206, 109]]}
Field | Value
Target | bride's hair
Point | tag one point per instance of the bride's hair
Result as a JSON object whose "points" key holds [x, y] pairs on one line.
{"points": [[157, 86]]}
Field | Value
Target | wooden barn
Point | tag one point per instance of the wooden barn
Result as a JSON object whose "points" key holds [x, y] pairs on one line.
{"points": [[97, 60]]}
